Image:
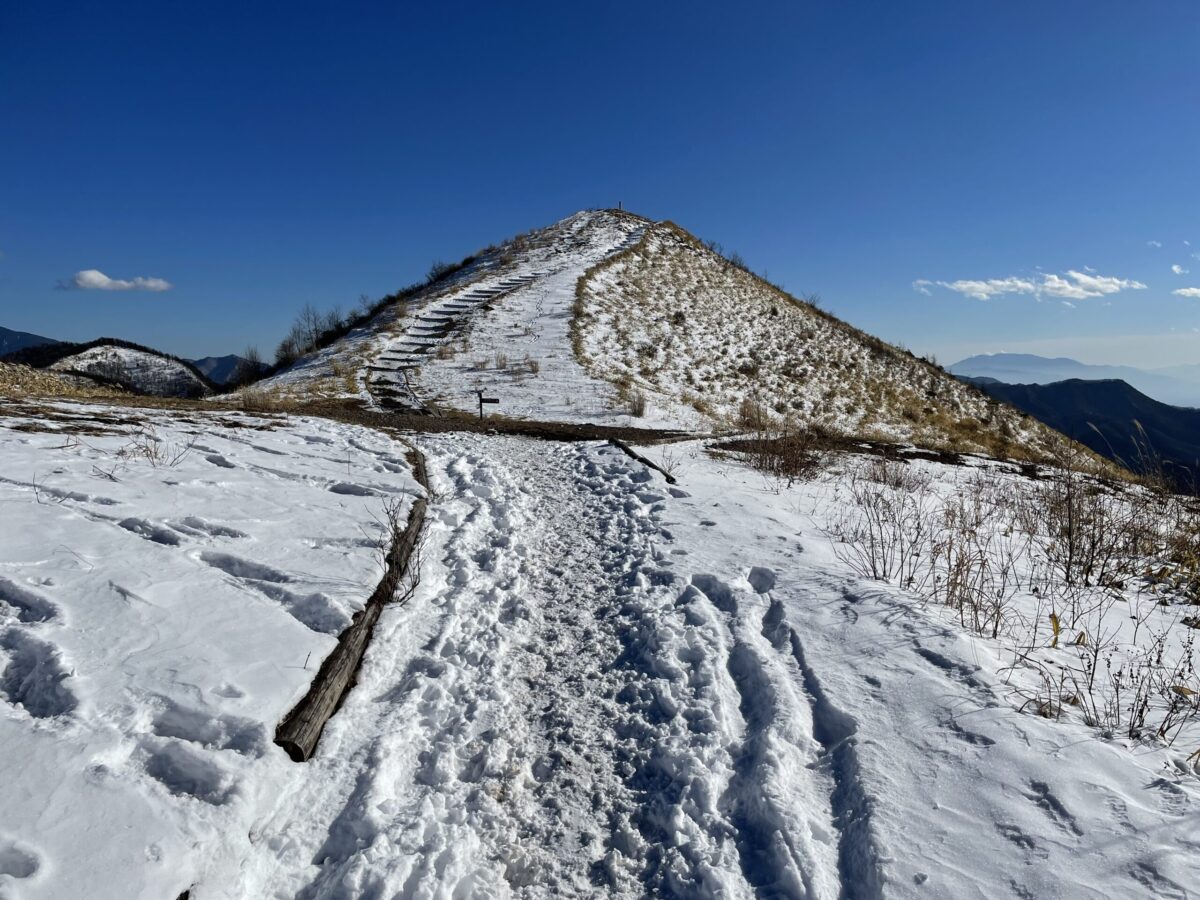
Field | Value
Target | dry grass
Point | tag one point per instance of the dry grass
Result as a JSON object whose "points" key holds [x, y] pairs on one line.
{"points": [[678, 320], [25, 381]]}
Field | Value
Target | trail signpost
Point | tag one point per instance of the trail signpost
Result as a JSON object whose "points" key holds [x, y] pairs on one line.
{"points": [[483, 400]]}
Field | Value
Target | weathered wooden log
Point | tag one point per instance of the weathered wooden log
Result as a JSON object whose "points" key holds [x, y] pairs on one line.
{"points": [[300, 730], [416, 461], [629, 451]]}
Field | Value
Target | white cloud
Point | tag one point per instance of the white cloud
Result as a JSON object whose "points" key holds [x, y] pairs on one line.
{"points": [[1073, 285], [985, 290], [1178, 269], [1187, 292], [1081, 286], [95, 280], [1153, 243], [923, 285]]}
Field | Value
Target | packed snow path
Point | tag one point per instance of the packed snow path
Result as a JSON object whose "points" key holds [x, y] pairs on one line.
{"points": [[552, 715], [604, 688]]}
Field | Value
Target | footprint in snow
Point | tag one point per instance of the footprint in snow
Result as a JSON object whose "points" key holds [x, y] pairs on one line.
{"points": [[218, 460], [1173, 798], [761, 579], [35, 677], [717, 591], [208, 730], [186, 772], [196, 527], [151, 532], [29, 606], [242, 568], [1025, 841], [17, 859], [1045, 798], [316, 610], [352, 490]]}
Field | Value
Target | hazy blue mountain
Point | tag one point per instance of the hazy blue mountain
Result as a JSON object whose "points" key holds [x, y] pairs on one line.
{"points": [[219, 369], [1024, 368], [1189, 373], [12, 341], [1105, 415]]}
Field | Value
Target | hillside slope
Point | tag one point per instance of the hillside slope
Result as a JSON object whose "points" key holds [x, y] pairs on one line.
{"points": [[12, 341], [607, 318], [138, 370], [497, 325], [1115, 420], [677, 322]]}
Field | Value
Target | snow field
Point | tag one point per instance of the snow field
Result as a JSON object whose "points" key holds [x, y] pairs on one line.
{"points": [[603, 685], [158, 615], [937, 777], [609, 686]]}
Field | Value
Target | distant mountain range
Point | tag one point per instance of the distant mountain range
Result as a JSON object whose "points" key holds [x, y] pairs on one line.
{"points": [[12, 341], [1115, 420], [1175, 385]]}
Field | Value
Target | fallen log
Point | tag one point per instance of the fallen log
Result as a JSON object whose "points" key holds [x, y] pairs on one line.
{"points": [[629, 451], [300, 730]]}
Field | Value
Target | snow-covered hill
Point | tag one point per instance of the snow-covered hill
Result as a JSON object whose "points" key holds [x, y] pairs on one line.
{"points": [[606, 317], [135, 369]]}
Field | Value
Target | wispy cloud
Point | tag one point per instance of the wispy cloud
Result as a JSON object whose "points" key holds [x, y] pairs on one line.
{"points": [[95, 280], [1153, 243], [1073, 285], [1187, 292], [1178, 269]]}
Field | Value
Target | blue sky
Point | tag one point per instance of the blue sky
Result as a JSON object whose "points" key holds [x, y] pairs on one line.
{"points": [[259, 156]]}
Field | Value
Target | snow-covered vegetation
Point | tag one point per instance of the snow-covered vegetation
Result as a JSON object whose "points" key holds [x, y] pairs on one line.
{"points": [[1093, 587]]}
